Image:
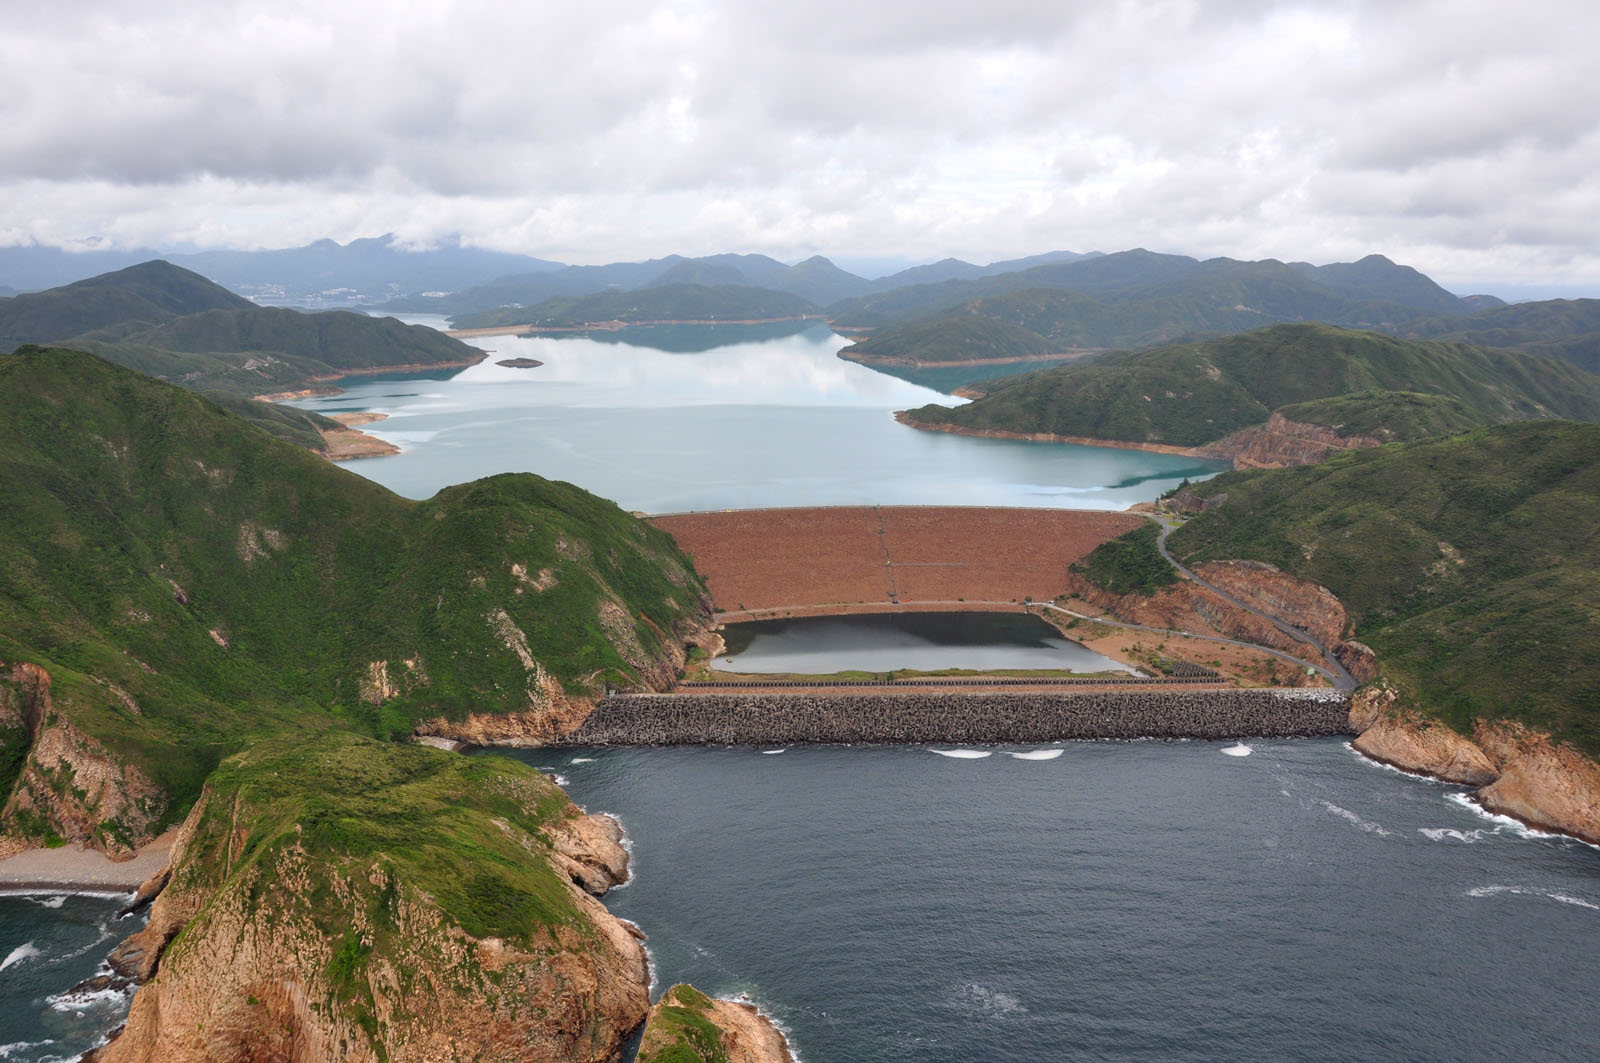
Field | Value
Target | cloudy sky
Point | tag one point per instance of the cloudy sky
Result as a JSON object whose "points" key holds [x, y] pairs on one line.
{"points": [[1459, 136]]}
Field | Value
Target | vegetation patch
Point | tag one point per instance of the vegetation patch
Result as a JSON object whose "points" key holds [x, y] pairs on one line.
{"points": [[1129, 564]]}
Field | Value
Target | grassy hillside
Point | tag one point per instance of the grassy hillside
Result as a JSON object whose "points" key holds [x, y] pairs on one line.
{"points": [[965, 339], [1390, 416], [1469, 564], [1191, 394], [151, 292], [231, 583], [669, 302], [1567, 329]]}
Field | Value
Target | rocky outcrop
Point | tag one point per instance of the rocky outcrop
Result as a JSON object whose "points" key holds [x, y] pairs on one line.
{"points": [[686, 1026], [1520, 773], [518, 730], [1298, 602], [1280, 443], [306, 956], [1542, 783], [70, 786]]}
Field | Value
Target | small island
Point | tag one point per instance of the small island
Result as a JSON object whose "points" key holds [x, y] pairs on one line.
{"points": [[520, 363]]}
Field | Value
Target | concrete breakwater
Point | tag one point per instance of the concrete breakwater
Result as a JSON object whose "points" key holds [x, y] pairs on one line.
{"points": [[753, 719]]}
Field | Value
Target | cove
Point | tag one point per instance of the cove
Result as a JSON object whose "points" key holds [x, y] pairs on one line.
{"points": [[921, 641], [764, 420], [1157, 900]]}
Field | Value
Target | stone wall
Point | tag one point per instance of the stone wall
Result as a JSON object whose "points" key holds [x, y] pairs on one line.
{"points": [[781, 719]]}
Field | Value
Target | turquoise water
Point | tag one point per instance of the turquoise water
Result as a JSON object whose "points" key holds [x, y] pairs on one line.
{"points": [[888, 642], [763, 421]]}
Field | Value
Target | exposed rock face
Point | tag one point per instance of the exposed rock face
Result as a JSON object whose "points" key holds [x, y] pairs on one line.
{"points": [[70, 784], [1282, 442], [254, 978], [1299, 602], [688, 1025], [1428, 747], [1541, 783], [1522, 773], [536, 727]]}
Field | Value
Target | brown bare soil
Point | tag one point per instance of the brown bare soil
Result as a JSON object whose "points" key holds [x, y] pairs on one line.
{"points": [[775, 562]]}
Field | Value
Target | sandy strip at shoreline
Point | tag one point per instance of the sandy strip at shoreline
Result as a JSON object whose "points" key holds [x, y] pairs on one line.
{"points": [[73, 868]]}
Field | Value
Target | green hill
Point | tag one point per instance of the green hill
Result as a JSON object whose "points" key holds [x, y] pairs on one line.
{"points": [[1567, 329], [1191, 394], [152, 292], [963, 339], [1468, 564], [187, 580], [668, 302]]}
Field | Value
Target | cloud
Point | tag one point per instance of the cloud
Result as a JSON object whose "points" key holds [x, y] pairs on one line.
{"points": [[1440, 132]]}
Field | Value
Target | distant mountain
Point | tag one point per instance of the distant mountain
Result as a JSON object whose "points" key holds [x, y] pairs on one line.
{"points": [[1380, 280], [652, 305], [324, 273], [1196, 393], [1568, 329]]}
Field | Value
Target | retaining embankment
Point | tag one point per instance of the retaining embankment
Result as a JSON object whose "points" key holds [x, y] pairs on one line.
{"points": [[782, 719]]}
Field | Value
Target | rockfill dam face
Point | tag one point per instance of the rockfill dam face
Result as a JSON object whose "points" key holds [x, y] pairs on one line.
{"points": [[916, 718]]}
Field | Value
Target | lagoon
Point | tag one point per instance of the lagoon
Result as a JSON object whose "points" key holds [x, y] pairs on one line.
{"points": [[757, 420]]}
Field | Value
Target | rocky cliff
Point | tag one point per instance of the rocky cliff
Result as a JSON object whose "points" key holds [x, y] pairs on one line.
{"points": [[686, 1026], [64, 784], [1519, 772], [1280, 443], [356, 901]]}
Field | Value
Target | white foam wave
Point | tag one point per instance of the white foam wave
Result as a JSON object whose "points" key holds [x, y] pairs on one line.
{"points": [[50, 902], [83, 1001], [1506, 823], [1366, 825], [1440, 834], [20, 954], [1037, 754], [986, 1002], [581, 760], [774, 752], [1371, 762], [7, 1051], [1529, 891], [964, 754], [1238, 749], [777, 1024]]}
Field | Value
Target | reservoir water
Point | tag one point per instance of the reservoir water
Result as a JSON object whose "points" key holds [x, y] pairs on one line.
{"points": [[921, 641], [754, 422], [1147, 900]]}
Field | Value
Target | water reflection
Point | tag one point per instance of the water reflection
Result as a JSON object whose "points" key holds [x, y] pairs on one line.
{"points": [[757, 422]]}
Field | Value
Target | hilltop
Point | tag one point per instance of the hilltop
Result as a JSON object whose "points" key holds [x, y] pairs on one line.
{"points": [[168, 322], [690, 302], [1194, 394], [1467, 564], [187, 581]]}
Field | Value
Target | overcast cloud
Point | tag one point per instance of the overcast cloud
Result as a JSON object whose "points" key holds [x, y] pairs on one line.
{"points": [[1459, 136]]}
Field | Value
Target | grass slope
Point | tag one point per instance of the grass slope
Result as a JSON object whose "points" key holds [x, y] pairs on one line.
{"points": [[1469, 564], [1191, 394], [151, 292], [141, 519]]}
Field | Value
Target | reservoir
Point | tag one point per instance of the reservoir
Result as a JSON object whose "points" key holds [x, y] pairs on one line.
{"points": [[759, 420], [1152, 900], [920, 641]]}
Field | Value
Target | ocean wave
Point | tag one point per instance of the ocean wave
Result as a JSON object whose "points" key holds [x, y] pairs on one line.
{"points": [[7, 1051], [985, 1002], [774, 752], [581, 760], [22, 953], [1346, 814], [1037, 754], [84, 999], [1374, 763], [964, 754], [777, 1024], [1529, 891], [54, 901], [1440, 834], [1238, 749], [1506, 823]]}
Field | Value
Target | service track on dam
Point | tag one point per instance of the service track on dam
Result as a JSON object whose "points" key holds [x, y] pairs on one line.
{"points": [[762, 563]]}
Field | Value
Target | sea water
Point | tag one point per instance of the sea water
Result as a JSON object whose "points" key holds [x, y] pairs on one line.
{"points": [[1101, 900], [50, 942], [768, 421]]}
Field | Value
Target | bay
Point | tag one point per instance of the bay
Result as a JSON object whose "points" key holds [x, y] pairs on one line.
{"points": [[758, 421], [1151, 900]]}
